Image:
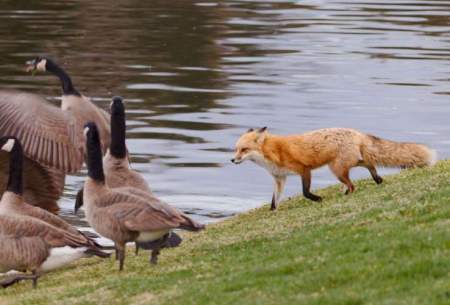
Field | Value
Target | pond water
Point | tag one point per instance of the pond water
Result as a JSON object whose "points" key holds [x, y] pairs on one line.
{"points": [[196, 74]]}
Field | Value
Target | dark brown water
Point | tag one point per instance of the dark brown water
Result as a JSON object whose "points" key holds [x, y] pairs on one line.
{"points": [[198, 74]]}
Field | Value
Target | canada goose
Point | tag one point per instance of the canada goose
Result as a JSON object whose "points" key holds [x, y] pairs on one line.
{"points": [[115, 162], [118, 173], [52, 138], [121, 216], [27, 243], [116, 165], [16, 206], [72, 100]]}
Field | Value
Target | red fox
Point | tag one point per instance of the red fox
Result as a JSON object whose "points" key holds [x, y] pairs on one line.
{"points": [[340, 148]]}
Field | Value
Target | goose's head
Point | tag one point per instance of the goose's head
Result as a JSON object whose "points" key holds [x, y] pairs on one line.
{"points": [[92, 137], [8, 143], [90, 130], [37, 64], [117, 106]]}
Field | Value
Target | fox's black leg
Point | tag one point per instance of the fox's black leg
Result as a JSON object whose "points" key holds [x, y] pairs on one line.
{"points": [[374, 174], [306, 183], [273, 206], [279, 187]]}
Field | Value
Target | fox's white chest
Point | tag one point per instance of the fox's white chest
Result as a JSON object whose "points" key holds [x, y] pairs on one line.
{"points": [[271, 167]]}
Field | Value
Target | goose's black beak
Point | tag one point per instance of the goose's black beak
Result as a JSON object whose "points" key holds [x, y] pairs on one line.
{"points": [[78, 201]]}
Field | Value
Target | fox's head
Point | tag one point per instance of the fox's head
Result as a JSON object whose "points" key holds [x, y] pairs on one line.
{"points": [[248, 147]]}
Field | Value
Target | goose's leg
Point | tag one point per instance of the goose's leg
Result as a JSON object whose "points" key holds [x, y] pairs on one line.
{"points": [[154, 256], [156, 251], [11, 280], [35, 277], [136, 249], [121, 255]]}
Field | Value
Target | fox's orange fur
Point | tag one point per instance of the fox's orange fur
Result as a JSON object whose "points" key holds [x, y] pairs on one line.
{"points": [[339, 148]]}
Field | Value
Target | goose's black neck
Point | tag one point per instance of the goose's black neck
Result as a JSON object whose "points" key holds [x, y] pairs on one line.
{"points": [[94, 155], [15, 183], [118, 147], [66, 82]]}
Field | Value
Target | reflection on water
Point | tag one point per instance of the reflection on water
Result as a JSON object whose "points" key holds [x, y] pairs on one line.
{"points": [[197, 74]]}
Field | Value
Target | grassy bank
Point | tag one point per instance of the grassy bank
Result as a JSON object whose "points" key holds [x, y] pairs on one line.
{"points": [[386, 244]]}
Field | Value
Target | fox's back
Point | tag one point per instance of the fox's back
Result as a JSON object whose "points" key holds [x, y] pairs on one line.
{"points": [[315, 148], [336, 137]]}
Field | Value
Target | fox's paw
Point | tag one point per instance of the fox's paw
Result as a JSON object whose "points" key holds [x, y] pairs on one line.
{"points": [[378, 180], [314, 197]]}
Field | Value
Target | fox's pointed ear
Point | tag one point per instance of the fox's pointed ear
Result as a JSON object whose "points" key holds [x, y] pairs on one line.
{"points": [[250, 130], [261, 135]]}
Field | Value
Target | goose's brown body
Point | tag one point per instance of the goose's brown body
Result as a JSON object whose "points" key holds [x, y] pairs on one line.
{"points": [[12, 204], [127, 214], [27, 245]]}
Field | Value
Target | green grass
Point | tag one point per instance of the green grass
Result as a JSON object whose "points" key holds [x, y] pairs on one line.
{"points": [[384, 244]]}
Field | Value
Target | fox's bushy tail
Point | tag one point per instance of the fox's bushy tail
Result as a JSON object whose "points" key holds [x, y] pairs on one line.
{"points": [[376, 151]]}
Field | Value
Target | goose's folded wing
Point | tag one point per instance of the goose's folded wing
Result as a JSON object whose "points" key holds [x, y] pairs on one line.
{"points": [[128, 193], [42, 186], [48, 135], [24, 226], [50, 218], [169, 211], [147, 210], [143, 218]]}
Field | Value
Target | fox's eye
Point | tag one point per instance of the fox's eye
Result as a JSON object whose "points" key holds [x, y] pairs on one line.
{"points": [[244, 150]]}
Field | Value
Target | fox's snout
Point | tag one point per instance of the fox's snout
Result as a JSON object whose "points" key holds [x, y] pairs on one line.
{"points": [[236, 161]]}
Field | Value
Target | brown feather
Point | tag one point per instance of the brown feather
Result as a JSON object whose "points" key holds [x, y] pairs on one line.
{"points": [[125, 181], [43, 129]]}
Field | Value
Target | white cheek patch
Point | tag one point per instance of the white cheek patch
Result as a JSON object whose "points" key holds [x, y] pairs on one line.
{"points": [[85, 131], [8, 146], [256, 157], [41, 65]]}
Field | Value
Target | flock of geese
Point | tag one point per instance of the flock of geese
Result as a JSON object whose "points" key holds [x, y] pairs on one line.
{"points": [[40, 144]]}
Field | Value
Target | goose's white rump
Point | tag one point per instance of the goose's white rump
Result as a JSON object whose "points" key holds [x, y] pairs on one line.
{"points": [[62, 256]]}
